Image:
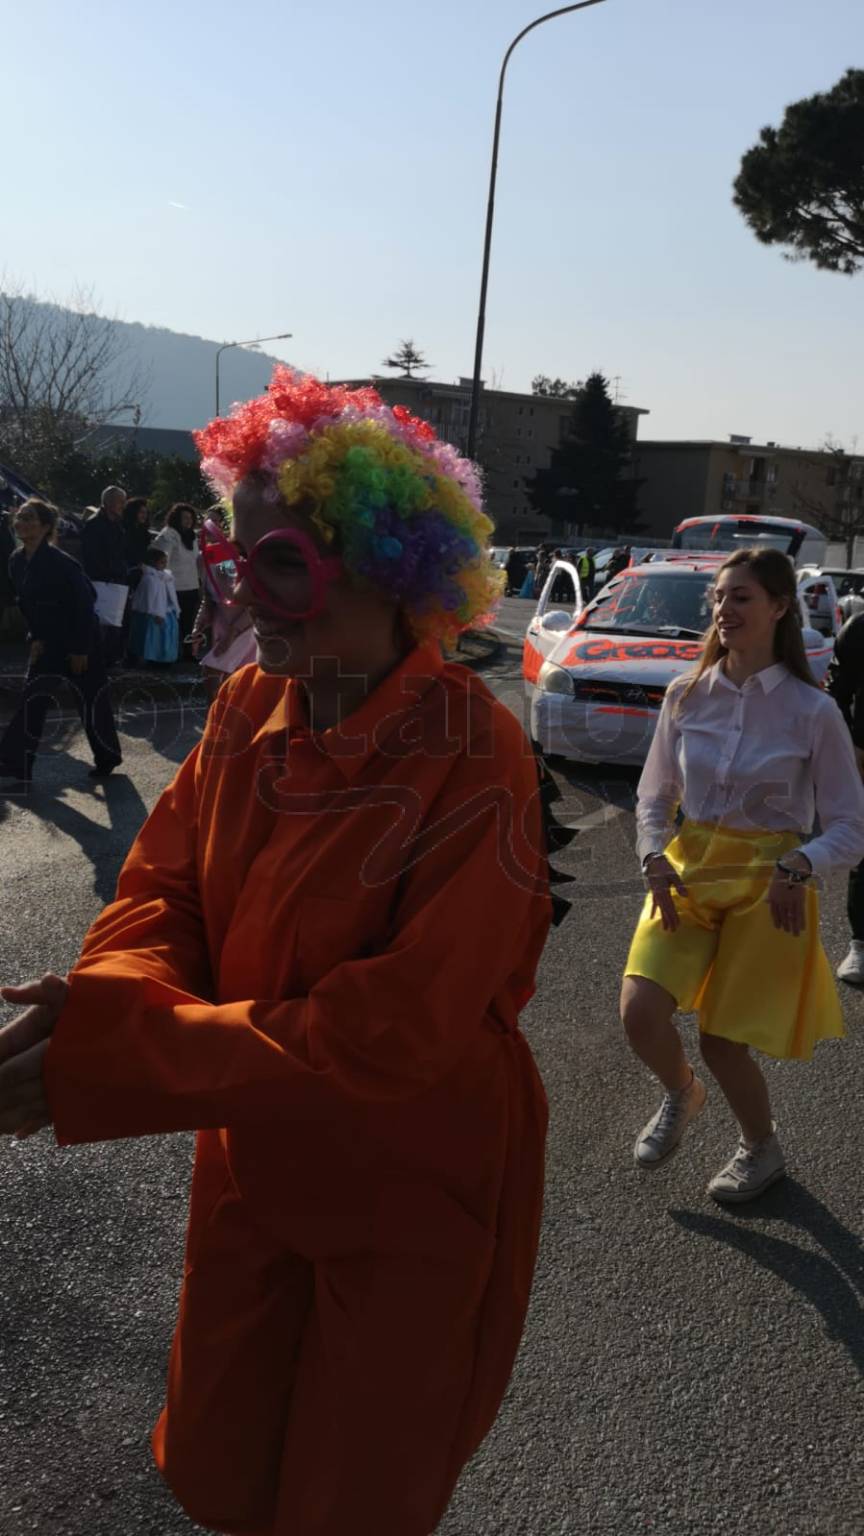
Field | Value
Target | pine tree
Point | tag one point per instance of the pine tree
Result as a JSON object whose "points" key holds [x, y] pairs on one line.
{"points": [[407, 359], [802, 185], [586, 481], [557, 389]]}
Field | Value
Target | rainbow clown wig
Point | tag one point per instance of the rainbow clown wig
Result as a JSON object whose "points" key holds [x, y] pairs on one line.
{"points": [[401, 508]]}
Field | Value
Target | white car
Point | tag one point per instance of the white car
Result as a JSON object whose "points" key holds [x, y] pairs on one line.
{"points": [[821, 598], [849, 587], [596, 675]]}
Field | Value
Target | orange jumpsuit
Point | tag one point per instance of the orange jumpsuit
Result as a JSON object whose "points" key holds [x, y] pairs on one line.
{"points": [[316, 958]]}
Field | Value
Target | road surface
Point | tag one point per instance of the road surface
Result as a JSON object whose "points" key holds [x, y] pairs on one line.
{"points": [[684, 1369]]}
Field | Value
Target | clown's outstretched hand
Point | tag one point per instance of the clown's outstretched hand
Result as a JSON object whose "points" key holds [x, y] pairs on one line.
{"points": [[23, 1043]]}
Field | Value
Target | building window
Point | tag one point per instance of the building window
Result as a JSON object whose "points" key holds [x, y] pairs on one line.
{"points": [[516, 484], [831, 477], [521, 410]]}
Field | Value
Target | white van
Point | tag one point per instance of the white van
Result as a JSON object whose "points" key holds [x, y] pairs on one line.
{"points": [[804, 544]]}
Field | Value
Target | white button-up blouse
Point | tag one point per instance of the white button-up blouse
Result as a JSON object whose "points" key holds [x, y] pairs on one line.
{"points": [[771, 755]]}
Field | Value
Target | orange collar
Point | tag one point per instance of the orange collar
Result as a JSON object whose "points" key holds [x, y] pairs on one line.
{"points": [[383, 714]]}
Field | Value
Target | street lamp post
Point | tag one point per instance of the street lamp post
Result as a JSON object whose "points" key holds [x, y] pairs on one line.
{"points": [[255, 342], [490, 214]]}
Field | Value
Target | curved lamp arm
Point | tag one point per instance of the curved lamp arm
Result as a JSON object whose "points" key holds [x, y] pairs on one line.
{"points": [[490, 214], [253, 342]]}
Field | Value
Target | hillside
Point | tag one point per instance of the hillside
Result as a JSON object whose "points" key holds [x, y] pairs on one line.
{"points": [[181, 374], [177, 372]]}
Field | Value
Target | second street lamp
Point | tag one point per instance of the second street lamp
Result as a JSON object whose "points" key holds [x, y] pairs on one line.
{"points": [[256, 341], [490, 214]]}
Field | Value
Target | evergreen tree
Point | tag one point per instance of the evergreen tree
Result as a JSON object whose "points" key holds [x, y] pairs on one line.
{"points": [[802, 185], [586, 482], [407, 359], [557, 389], [76, 479]]}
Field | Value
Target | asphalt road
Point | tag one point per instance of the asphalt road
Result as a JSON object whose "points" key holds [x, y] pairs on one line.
{"points": [[683, 1369]]}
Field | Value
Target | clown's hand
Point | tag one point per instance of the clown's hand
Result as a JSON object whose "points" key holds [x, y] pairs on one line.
{"points": [[23, 1043]]}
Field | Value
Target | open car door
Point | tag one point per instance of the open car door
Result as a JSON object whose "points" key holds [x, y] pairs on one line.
{"points": [[559, 606]]}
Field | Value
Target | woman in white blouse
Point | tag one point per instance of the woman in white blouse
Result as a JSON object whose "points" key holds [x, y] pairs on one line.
{"points": [[750, 750], [180, 543]]}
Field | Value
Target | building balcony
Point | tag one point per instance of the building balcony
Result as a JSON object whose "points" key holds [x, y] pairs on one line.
{"points": [[748, 490]]}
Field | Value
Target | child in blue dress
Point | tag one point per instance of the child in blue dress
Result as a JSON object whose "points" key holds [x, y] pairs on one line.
{"points": [[154, 632]]}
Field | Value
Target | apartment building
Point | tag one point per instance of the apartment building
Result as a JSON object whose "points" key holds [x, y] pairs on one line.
{"points": [[516, 434], [696, 479]]}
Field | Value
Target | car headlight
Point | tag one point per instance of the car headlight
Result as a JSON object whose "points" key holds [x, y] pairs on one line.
{"points": [[553, 679]]}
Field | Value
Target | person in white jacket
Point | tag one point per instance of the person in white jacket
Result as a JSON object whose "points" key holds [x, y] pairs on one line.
{"points": [[154, 633], [751, 751], [180, 543]]}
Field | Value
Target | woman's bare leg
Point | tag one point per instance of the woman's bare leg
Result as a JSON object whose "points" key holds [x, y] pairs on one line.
{"points": [[646, 1013], [741, 1083]]}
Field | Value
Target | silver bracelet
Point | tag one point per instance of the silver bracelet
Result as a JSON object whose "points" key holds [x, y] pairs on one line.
{"points": [[794, 876]]}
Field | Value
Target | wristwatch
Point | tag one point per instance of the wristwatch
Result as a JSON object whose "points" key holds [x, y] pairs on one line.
{"points": [[795, 876]]}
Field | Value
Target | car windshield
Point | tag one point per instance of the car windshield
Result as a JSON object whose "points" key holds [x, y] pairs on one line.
{"points": [[847, 583], [645, 604]]}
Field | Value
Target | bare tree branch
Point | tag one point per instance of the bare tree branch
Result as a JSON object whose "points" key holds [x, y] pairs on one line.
{"points": [[64, 371]]}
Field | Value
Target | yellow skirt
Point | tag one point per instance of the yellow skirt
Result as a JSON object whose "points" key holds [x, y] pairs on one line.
{"points": [[748, 981]]}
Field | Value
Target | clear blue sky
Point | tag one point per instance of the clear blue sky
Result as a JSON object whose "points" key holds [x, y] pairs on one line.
{"points": [[332, 160]]}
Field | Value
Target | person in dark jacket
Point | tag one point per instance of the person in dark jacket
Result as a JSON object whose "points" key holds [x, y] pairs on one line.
{"points": [[58, 602], [515, 571], [845, 683], [138, 535], [103, 556], [619, 562]]}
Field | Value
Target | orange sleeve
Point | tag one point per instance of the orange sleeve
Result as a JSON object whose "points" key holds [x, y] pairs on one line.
{"points": [[137, 1051], [154, 927]]}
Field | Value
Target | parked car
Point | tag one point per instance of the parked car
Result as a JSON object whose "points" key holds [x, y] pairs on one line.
{"points": [[803, 544], [821, 599], [596, 675], [849, 587], [524, 553]]}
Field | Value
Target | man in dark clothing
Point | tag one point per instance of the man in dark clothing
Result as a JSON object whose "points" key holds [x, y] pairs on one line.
{"points": [[58, 603], [845, 683], [103, 556], [515, 571]]}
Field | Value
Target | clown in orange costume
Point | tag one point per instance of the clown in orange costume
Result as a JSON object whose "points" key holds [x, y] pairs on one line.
{"points": [[316, 958]]}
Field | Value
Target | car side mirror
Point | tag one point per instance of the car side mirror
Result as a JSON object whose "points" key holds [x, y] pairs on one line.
{"points": [[557, 620]]}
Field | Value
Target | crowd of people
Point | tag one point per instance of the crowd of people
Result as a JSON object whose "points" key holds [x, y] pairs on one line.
{"points": [[103, 592], [527, 571], [331, 999]]}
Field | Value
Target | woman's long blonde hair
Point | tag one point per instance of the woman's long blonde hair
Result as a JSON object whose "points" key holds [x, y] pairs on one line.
{"points": [[775, 573]]}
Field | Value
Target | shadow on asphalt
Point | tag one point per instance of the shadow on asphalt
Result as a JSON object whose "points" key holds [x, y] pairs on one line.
{"points": [[105, 847], [601, 781], [832, 1281]]}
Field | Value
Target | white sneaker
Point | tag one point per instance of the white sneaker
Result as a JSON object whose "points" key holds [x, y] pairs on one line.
{"points": [[754, 1168], [664, 1130], [852, 968]]}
